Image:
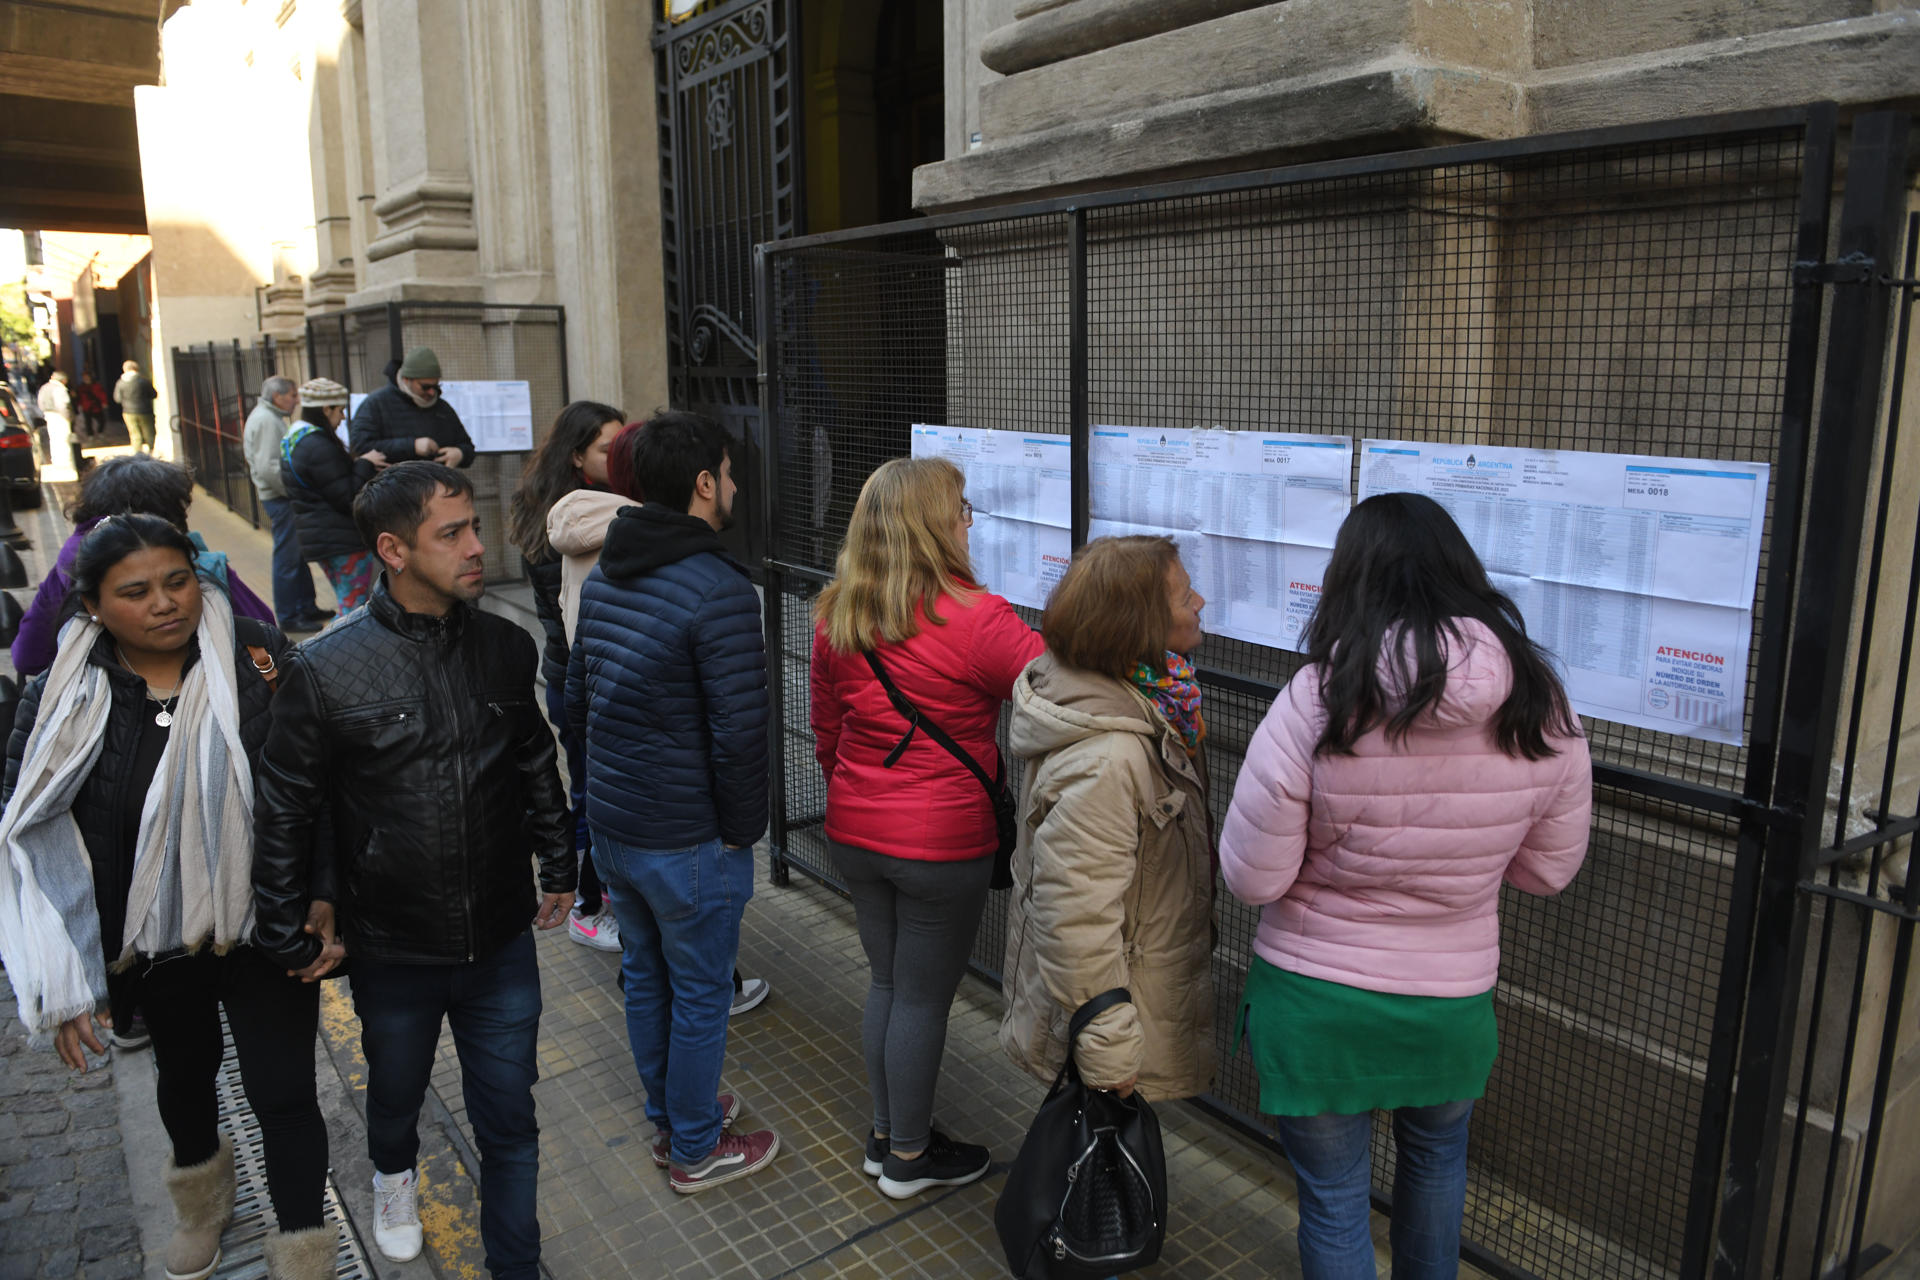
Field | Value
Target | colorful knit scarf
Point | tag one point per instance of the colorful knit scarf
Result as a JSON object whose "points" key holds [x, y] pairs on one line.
{"points": [[1177, 694]]}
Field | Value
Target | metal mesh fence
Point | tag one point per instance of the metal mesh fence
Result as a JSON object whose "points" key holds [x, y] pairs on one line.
{"points": [[1620, 295], [475, 342], [214, 389]]}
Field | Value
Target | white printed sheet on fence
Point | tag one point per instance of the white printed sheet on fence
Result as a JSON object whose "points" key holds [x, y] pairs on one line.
{"points": [[1636, 572], [1254, 513]]}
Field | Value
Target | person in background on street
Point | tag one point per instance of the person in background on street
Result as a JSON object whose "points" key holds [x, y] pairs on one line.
{"points": [[56, 406], [132, 483], [410, 420], [571, 466], [909, 826], [135, 396], [293, 600], [668, 673], [129, 795], [322, 481], [1113, 879], [409, 731], [1425, 755], [92, 400]]}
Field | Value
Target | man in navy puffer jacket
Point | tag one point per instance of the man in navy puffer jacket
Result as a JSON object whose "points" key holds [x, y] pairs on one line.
{"points": [[669, 675]]}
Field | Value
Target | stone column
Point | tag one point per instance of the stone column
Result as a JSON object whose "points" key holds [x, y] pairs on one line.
{"points": [[328, 137], [417, 90], [510, 174], [356, 118], [604, 191]]}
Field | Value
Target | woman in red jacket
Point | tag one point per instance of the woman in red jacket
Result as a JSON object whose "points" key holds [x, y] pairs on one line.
{"points": [[910, 828]]}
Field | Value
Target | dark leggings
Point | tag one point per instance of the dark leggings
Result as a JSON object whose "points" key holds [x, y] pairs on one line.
{"points": [[917, 921], [274, 1020]]}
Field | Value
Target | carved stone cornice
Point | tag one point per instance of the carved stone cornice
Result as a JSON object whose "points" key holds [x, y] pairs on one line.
{"points": [[1053, 32]]}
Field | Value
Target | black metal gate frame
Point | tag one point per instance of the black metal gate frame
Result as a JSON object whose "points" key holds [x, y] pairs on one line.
{"points": [[1797, 689]]}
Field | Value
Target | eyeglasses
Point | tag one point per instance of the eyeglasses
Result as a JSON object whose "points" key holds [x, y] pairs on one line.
{"points": [[427, 388]]}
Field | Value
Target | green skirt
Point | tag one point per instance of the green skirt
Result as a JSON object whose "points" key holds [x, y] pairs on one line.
{"points": [[1322, 1048]]}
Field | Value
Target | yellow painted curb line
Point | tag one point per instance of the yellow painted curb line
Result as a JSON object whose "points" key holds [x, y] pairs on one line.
{"points": [[451, 1230]]}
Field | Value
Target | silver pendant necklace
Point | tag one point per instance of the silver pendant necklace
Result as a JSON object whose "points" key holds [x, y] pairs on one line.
{"points": [[164, 716]]}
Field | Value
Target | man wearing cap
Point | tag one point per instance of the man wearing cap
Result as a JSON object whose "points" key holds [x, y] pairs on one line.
{"points": [[409, 419]]}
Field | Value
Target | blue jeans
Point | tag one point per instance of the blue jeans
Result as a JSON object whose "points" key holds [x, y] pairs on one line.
{"points": [[1332, 1164], [679, 913], [493, 1006], [292, 580]]}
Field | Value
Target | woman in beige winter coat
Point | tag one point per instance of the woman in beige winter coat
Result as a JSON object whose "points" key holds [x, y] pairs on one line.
{"points": [[1113, 878]]}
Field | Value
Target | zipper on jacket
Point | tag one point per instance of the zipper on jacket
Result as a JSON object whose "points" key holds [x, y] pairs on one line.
{"points": [[459, 789]]}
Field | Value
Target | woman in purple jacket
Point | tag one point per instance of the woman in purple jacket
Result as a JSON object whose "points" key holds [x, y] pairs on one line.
{"points": [[134, 483], [1425, 756]]}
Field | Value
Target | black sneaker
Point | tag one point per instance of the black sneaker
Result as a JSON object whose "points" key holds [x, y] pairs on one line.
{"points": [[875, 1163], [945, 1163]]}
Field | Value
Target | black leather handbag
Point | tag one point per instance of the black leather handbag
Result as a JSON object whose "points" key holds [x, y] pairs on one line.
{"points": [[998, 793], [1086, 1197]]}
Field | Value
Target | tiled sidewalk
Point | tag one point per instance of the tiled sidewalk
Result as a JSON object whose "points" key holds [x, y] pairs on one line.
{"points": [[795, 1062]]}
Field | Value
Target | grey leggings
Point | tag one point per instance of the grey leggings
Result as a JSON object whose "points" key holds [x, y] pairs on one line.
{"points": [[917, 921]]}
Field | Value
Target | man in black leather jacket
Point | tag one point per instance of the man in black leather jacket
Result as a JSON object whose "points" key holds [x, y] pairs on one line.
{"points": [[412, 726]]}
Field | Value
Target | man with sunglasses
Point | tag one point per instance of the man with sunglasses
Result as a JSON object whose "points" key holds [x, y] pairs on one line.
{"points": [[409, 419]]}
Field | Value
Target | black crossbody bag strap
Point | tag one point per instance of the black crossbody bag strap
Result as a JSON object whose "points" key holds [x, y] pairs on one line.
{"points": [[911, 714]]}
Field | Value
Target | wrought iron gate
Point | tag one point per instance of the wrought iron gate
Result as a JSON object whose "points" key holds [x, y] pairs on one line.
{"points": [[730, 176], [1657, 289]]}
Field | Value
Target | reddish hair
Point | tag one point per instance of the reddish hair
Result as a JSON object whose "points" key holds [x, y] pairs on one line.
{"points": [[620, 463]]}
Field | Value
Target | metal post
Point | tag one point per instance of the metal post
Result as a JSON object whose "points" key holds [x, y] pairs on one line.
{"points": [[218, 462], [240, 415], [313, 352], [1789, 476], [767, 505], [1078, 413], [1849, 404]]}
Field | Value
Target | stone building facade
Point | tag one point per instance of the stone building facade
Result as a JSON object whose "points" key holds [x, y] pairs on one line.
{"points": [[1471, 308], [304, 156]]}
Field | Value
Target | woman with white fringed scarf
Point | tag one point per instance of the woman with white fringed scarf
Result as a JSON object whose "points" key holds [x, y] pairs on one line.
{"points": [[127, 840]]}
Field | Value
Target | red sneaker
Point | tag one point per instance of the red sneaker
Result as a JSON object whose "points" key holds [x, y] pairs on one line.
{"points": [[735, 1156]]}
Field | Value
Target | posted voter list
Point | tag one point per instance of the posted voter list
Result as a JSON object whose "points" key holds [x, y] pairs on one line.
{"points": [[1636, 572]]}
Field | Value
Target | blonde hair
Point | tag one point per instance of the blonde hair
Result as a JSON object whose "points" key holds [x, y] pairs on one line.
{"points": [[900, 556]]}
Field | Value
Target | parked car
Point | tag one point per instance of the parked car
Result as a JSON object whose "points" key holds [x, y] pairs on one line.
{"points": [[20, 451]]}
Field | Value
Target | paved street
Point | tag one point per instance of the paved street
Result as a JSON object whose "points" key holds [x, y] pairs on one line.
{"points": [[64, 1193]]}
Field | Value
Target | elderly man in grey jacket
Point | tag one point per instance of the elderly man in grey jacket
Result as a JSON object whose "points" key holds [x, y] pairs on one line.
{"points": [[293, 602]]}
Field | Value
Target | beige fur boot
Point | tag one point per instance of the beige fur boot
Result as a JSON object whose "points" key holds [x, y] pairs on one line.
{"points": [[310, 1254], [203, 1206]]}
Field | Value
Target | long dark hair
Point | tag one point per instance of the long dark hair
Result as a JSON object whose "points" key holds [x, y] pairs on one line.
{"points": [[550, 475], [1403, 575], [116, 538]]}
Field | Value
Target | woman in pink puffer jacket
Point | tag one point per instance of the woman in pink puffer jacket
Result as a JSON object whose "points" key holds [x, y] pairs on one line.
{"points": [[1426, 756]]}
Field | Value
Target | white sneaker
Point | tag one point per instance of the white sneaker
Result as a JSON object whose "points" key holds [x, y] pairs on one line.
{"points": [[601, 932], [396, 1222]]}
